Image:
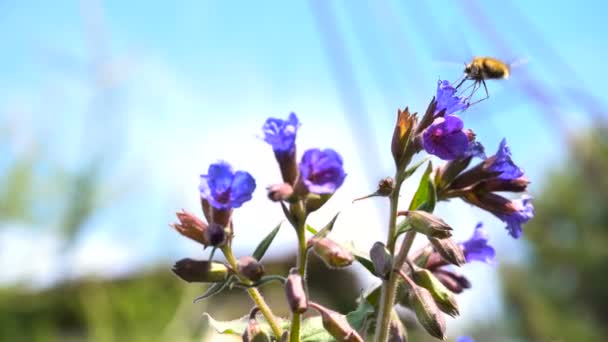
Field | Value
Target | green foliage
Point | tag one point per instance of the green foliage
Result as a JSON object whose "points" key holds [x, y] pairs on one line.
{"points": [[261, 249], [560, 294], [425, 197]]}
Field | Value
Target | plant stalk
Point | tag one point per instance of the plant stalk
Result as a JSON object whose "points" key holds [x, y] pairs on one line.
{"points": [[294, 331], [255, 295]]}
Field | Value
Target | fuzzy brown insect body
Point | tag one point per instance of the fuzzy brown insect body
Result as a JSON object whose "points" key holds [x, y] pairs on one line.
{"points": [[481, 69]]}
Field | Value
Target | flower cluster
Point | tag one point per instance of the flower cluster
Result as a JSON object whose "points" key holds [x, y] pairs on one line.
{"points": [[424, 281]]}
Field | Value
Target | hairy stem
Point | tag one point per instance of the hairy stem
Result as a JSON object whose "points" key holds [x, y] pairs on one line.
{"points": [[255, 295], [299, 211]]}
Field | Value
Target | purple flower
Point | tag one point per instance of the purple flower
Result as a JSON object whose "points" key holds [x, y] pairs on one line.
{"points": [[447, 100], [281, 134], [322, 171], [465, 339], [445, 138], [501, 162], [225, 189], [477, 248], [522, 213]]}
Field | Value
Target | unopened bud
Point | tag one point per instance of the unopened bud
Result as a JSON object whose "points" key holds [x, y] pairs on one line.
{"points": [[445, 300], [250, 268], [428, 224], [280, 192], [295, 292], [221, 216], [386, 186], [200, 271], [191, 227], [449, 171], [337, 325], [217, 235], [427, 312], [402, 135], [396, 330], [449, 250], [332, 254], [491, 202], [453, 281], [254, 332], [382, 260], [498, 184]]}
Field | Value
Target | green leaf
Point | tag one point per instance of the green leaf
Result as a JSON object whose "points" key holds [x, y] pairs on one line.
{"points": [[311, 229], [312, 330], [261, 249], [214, 289], [327, 229], [361, 257], [425, 196], [411, 170], [359, 317]]}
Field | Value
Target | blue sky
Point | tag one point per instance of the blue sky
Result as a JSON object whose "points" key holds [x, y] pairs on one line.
{"points": [[190, 83]]}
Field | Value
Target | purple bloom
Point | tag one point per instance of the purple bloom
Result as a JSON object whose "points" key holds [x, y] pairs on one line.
{"points": [[322, 171], [465, 339], [281, 134], [475, 149], [225, 189], [524, 211], [447, 100], [477, 248], [501, 162], [445, 138]]}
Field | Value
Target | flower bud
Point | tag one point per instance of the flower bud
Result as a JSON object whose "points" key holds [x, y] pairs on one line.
{"points": [[385, 186], [316, 201], [402, 135], [295, 292], [332, 254], [491, 202], [382, 260], [254, 332], [280, 192], [449, 250], [337, 325], [453, 281], [519, 184], [449, 171], [200, 271], [217, 235], [445, 300], [191, 227], [396, 330], [428, 224], [427, 312], [221, 216], [250, 268]]}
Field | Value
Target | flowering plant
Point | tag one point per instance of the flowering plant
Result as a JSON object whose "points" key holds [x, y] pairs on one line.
{"points": [[421, 280]]}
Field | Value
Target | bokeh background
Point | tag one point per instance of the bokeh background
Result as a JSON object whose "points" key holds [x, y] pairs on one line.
{"points": [[110, 111]]}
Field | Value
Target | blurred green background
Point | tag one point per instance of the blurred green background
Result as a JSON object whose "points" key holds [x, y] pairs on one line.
{"points": [[109, 111]]}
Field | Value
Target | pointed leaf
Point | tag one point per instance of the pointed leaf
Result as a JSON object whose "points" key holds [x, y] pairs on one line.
{"points": [[287, 213], [214, 289], [412, 169], [425, 196], [311, 229], [361, 257], [360, 316], [261, 249], [238, 326], [263, 281], [327, 229]]}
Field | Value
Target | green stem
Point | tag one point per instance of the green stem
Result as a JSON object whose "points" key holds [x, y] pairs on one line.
{"points": [[294, 332], [255, 295]]}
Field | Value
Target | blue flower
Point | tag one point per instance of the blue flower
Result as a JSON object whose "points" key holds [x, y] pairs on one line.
{"points": [[225, 189], [322, 171], [477, 248], [447, 100], [281, 134], [445, 138], [502, 163], [465, 339], [523, 211]]}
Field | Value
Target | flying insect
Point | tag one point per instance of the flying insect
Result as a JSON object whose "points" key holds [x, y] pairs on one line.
{"points": [[481, 69]]}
